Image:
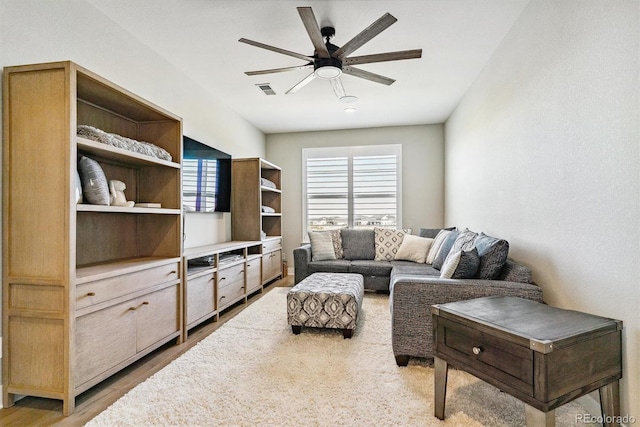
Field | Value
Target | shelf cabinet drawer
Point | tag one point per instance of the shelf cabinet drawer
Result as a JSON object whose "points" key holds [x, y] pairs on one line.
{"points": [[201, 301], [271, 245], [231, 285], [91, 293], [506, 361]]}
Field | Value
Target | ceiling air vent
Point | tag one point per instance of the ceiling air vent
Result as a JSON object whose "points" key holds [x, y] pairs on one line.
{"points": [[266, 88]]}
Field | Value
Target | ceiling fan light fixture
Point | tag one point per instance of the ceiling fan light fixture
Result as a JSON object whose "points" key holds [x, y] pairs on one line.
{"points": [[348, 99], [327, 72]]}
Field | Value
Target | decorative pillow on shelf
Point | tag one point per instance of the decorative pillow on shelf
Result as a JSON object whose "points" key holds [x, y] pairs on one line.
{"points": [[445, 249], [460, 264], [414, 248], [321, 246], [493, 254], [95, 188], [436, 245], [387, 242]]}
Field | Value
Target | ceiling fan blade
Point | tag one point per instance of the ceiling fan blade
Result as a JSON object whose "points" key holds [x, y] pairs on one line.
{"points": [[276, 49], [277, 70], [311, 24], [382, 57], [338, 89], [301, 84], [357, 72], [365, 35]]}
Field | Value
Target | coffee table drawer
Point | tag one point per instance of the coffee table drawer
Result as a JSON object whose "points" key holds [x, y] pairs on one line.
{"points": [[507, 362]]}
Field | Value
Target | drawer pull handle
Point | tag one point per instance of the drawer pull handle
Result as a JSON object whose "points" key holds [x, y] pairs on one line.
{"points": [[91, 294], [477, 350], [172, 272], [135, 308]]}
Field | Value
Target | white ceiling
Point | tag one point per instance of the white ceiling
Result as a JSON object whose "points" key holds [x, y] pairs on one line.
{"points": [[200, 38]]}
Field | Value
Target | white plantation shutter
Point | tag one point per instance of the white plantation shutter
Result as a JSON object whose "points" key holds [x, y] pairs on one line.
{"points": [[351, 187]]}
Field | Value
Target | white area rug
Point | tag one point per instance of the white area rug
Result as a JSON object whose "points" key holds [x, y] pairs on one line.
{"points": [[254, 372]]}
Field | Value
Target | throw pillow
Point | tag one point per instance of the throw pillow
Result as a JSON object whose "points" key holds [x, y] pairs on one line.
{"points": [[321, 246], [95, 188], [358, 244], [336, 238], [414, 248], [445, 249], [465, 241], [432, 232], [387, 242], [435, 246], [493, 254], [460, 264]]}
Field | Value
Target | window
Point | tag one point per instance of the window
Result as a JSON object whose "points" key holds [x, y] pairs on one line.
{"points": [[355, 187], [199, 184]]}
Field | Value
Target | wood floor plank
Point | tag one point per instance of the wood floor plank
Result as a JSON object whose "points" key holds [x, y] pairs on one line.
{"points": [[35, 411]]}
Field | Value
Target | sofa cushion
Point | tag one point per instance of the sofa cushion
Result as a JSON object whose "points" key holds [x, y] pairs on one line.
{"points": [[493, 254], [358, 244], [437, 244], [514, 272], [445, 249], [403, 267], [387, 242], [460, 264], [321, 246], [371, 268], [333, 266], [432, 232], [414, 248]]}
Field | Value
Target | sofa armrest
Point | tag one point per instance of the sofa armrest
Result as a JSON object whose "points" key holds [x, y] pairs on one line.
{"points": [[301, 260], [412, 296]]}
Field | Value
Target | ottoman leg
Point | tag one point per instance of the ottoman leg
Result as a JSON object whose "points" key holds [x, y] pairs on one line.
{"points": [[347, 333], [402, 360], [296, 329]]}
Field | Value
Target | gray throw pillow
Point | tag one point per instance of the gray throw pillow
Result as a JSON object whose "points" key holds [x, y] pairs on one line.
{"points": [[431, 233], [445, 249], [95, 188], [461, 265], [358, 244], [493, 254]]}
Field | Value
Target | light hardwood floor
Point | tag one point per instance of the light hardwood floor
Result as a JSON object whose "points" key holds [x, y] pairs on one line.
{"points": [[32, 411]]}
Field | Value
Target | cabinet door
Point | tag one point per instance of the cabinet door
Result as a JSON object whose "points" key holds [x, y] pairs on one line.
{"points": [[254, 274], [271, 265], [104, 339], [201, 299], [157, 316]]}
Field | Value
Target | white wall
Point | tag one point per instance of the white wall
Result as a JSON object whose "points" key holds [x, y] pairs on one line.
{"points": [[544, 151], [43, 31], [422, 177]]}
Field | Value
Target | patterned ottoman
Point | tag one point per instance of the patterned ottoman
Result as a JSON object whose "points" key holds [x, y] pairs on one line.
{"points": [[326, 300]]}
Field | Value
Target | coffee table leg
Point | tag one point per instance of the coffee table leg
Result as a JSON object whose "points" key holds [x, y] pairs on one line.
{"points": [[441, 370], [536, 418], [610, 401]]}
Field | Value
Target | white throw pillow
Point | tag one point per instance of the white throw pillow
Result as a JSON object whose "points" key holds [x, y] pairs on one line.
{"points": [[437, 243], [321, 246], [414, 248]]}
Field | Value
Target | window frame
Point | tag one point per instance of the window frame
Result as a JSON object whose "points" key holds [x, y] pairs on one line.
{"points": [[350, 152]]}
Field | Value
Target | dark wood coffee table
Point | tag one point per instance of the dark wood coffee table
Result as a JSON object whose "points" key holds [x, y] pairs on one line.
{"points": [[542, 355]]}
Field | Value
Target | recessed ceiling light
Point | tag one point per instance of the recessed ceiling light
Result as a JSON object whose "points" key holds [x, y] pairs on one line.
{"points": [[350, 110]]}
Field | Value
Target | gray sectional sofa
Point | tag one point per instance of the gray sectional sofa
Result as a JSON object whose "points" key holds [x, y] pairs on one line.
{"points": [[415, 286]]}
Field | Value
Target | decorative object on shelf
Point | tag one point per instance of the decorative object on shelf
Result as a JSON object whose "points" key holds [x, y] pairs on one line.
{"points": [[94, 182], [116, 188], [148, 205], [123, 142], [78, 188]]}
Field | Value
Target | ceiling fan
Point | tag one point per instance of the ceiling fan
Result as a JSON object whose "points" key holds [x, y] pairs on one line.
{"points": [[329, 61]]}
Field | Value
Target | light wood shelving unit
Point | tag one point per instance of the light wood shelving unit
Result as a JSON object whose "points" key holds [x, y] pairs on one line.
{"points": [[248, 221], [87, 289], [232, 275]]}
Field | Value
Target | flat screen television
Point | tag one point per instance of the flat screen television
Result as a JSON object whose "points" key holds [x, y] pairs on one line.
{"points": [[206, 178]]}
